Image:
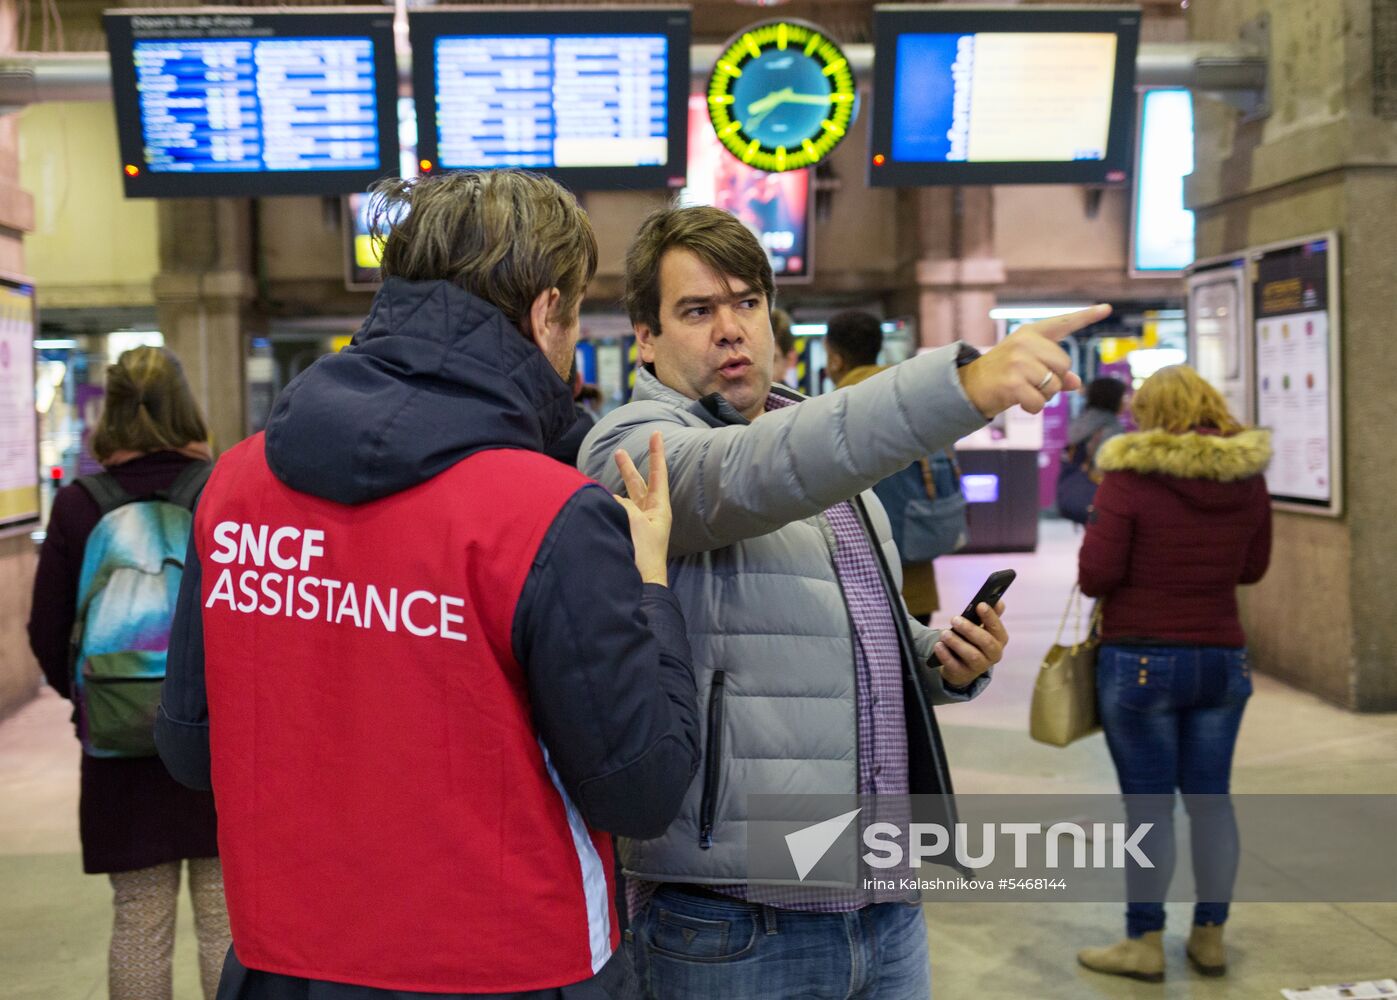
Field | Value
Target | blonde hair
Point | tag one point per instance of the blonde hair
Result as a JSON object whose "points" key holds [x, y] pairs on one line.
{"points": [[503, 235], [1177, 399], [148, 406]]}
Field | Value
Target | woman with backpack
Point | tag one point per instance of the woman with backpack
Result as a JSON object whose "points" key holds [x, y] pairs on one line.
{"points": [[103, 598], [1181, 519], [1098, 422]]}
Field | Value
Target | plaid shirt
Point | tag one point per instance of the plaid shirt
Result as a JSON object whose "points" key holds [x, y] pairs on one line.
{"points": [[881, 720]]}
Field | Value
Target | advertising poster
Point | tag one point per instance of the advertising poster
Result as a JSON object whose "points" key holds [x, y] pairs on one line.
{"points": [[1294, 344], [19, 432], [777, 207]]}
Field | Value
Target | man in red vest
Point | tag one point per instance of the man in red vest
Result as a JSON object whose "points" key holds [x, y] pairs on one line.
{"points": [[427, 670]]}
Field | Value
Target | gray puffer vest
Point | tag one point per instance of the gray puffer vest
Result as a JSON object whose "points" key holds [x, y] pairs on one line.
{"points": [[752, 565]]}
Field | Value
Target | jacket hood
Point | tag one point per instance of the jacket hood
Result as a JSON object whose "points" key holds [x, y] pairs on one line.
{"points": [[434, 375], [1088, 422], [1207, 468], [713, 409]]}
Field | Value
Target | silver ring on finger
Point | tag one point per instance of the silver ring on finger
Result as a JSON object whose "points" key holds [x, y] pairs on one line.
{"points": [[1044, 383]]}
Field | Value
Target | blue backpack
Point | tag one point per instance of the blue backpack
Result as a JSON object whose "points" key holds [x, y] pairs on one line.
{"points": [[131, 571], [1076, 485], [926, 507]]}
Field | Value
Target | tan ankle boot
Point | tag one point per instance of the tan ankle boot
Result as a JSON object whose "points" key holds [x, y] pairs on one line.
{"points": [[1138, 958], [1205, 950]]}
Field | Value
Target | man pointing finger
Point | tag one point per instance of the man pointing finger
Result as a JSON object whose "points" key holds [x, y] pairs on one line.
{"points": [[814, 679]]}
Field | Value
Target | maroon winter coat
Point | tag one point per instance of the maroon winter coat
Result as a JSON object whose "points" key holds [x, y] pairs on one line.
{"points": [[1179, 521]]}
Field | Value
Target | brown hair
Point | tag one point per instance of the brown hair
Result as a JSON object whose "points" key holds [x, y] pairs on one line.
{"points": [[503, 235], [1178, 399], [713, 236], [148, 406], [781, 330]]}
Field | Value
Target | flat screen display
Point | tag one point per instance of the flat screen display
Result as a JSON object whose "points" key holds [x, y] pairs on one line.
{"points": [[1161, 235], [214, 103], [997, 96], [776, 207], [595, 99]]}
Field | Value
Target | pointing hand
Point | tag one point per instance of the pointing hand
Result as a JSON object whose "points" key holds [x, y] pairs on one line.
{"points": [[1028, 367]]}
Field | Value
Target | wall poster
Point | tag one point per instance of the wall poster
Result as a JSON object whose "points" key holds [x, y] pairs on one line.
{"points": [[19, 421], [1295, 343]]}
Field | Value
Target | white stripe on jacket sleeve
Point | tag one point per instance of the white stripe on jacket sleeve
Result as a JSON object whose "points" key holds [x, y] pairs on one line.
{"points": [[593, 875]]}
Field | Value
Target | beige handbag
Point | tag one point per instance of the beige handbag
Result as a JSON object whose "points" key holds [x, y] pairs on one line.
{"points": [[1064, 695]]}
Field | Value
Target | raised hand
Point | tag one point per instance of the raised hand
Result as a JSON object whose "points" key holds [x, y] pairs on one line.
{"points": [[1027, 367], [647, 506]]}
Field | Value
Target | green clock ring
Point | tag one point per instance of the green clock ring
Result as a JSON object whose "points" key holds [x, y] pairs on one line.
{"points": [[781, 96]]}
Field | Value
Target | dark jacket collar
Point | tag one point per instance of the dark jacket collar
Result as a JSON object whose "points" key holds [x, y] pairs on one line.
{"points": [[434, 375]]}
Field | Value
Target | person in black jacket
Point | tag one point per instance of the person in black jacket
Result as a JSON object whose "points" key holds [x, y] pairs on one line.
{"points": [[138, 826], [460, 366]]}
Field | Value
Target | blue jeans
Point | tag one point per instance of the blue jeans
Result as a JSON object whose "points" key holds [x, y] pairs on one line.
{"points": [[1171, 715], [696, 948]]}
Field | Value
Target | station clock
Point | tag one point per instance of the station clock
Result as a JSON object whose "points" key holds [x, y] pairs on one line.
{"points": [[781, 96]]}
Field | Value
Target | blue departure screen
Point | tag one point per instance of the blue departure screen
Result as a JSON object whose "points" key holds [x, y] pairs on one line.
{"points": [[216, 105], [1003, 96], [552, 101], [924, 112]]}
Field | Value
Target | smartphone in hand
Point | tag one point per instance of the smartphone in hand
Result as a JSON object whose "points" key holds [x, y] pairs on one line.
{"points": [[990, 593]]}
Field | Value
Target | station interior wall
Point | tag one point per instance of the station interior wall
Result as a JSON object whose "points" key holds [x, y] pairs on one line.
{"points": [[1324, 159]]}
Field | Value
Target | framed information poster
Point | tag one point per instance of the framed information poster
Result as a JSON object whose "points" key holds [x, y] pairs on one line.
{"points": [[19, 422], [1296, 354]]}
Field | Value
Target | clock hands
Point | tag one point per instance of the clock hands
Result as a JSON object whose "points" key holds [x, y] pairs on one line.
{"points": [[786, 95], [759, 109]]}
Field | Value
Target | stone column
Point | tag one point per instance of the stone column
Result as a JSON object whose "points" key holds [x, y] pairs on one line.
{"points": [[956, 269], [202, 297], [1325, 158], [19, 674]]}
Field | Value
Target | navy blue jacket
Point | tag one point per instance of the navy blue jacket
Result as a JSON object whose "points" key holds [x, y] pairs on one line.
{"points": [[433, 376]]}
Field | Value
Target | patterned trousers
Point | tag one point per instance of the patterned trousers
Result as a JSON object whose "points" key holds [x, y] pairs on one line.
{"points": [[140, 964]]}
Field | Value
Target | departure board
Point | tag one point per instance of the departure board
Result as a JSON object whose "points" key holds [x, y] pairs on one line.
{"points": [[596, 99], [1003, 96], [238, 104], [1025, 95], [540, 101], [256, 104]]}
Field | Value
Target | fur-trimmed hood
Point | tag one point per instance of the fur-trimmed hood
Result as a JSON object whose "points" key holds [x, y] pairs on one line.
{"points": [[1207, 467]]}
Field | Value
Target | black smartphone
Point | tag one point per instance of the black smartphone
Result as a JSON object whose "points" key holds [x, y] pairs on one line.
{"points": [[990, 593]]}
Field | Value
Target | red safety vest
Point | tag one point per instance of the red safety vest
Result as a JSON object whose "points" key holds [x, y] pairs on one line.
{"points": [[387, 814]]}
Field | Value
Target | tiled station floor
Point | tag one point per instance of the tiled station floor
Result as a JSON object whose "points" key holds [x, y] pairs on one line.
{"points": [[54, 920]]}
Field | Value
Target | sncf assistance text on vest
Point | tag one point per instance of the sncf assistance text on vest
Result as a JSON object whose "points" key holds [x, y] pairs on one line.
{"points": [[287, 588]]}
